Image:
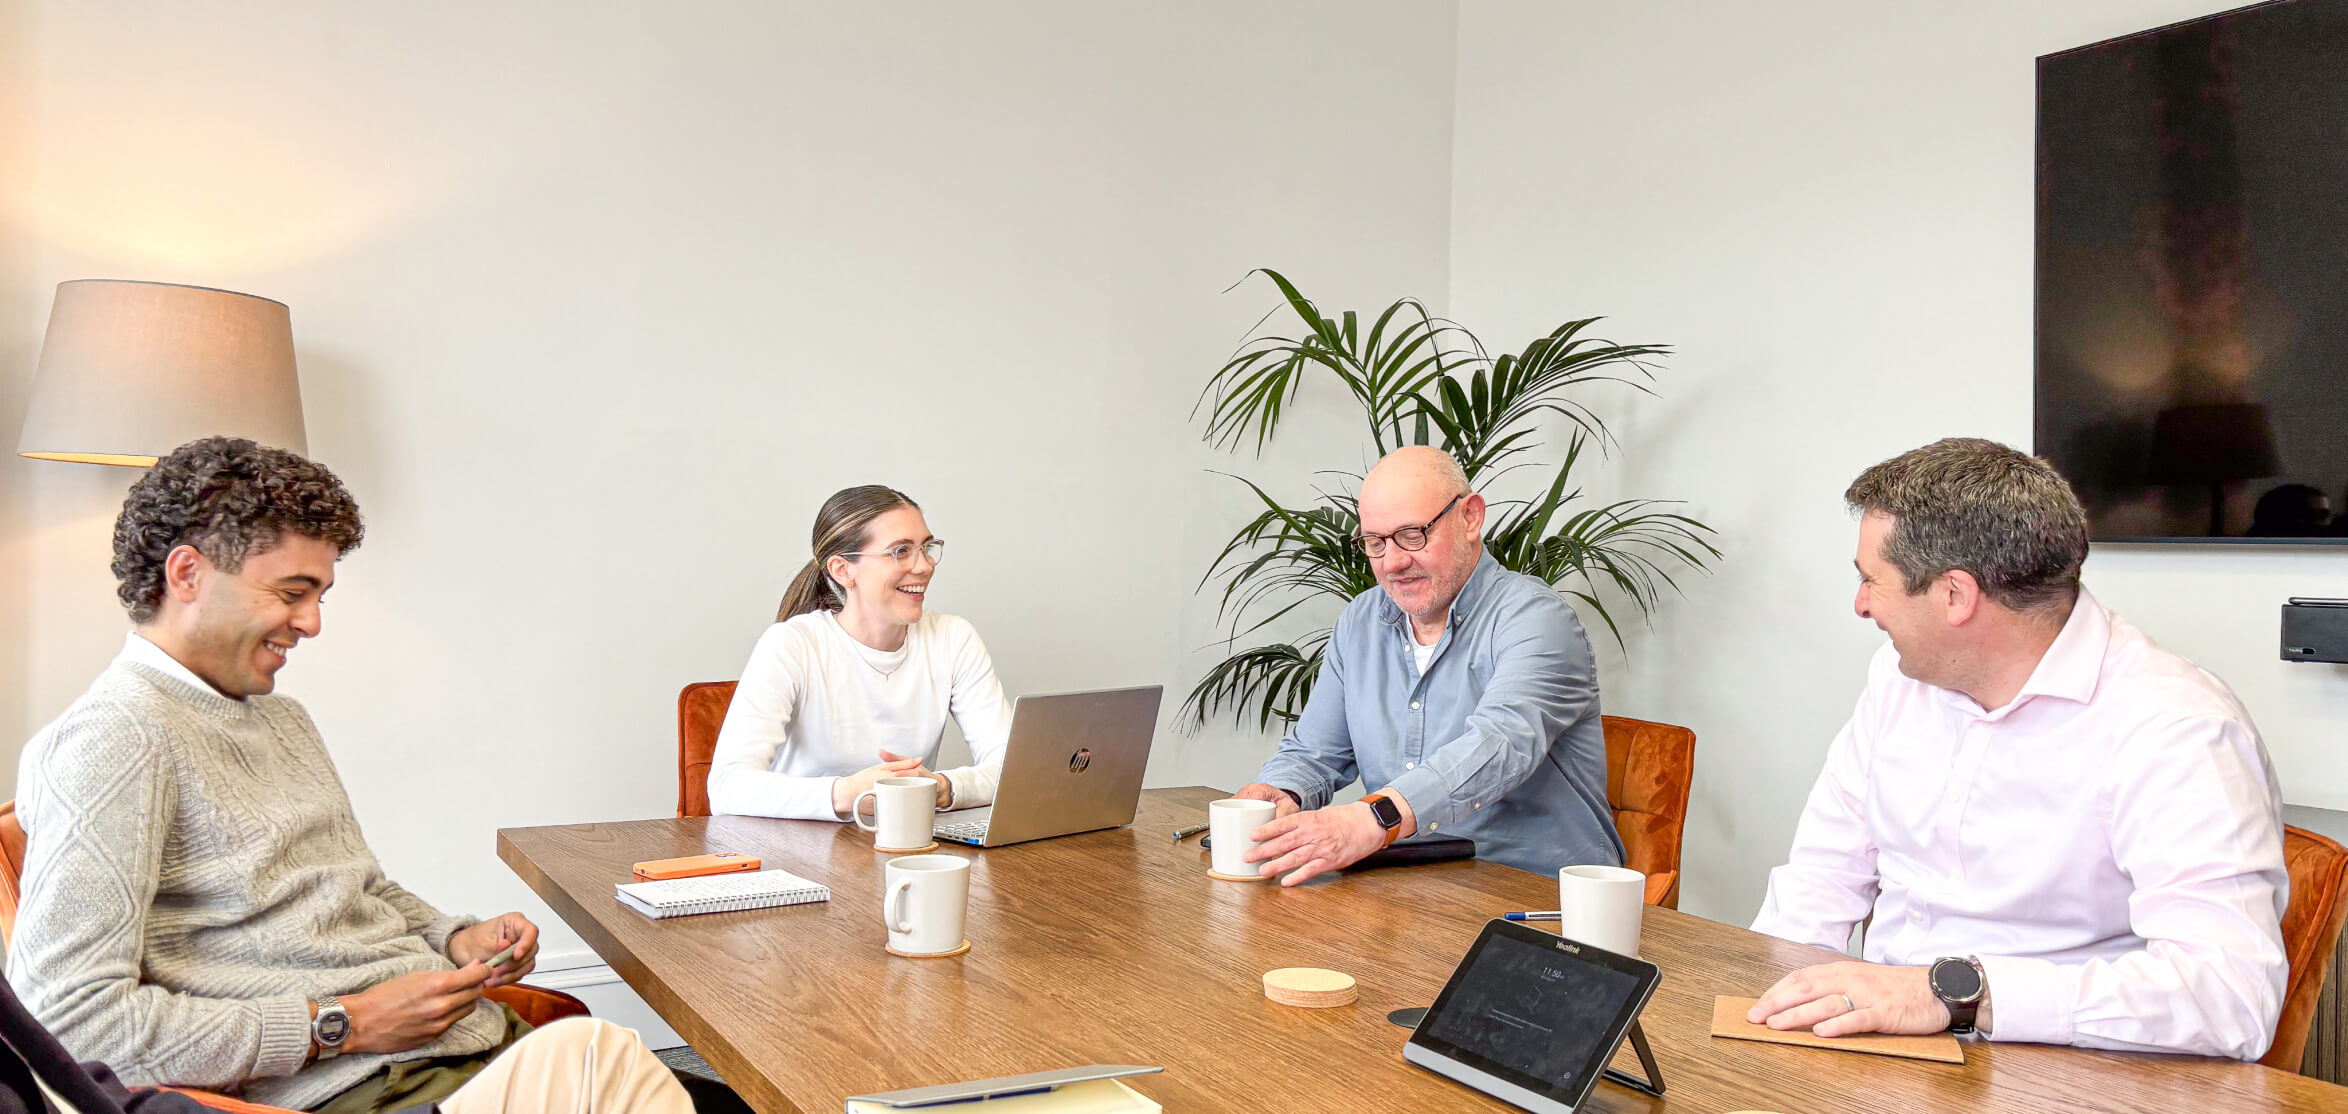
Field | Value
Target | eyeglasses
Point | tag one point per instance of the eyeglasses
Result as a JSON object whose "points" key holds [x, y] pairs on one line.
{"points": [[1410, 538], [902, 552]]}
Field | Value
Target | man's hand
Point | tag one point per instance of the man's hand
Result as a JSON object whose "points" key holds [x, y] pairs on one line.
{"points": [[1881, 1000], [845, 790], [1283, 805], [1307, 844], [412, 1011], [483, 941]]}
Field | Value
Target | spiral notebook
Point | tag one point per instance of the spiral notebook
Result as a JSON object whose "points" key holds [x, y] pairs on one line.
{"points": [[720, 893]]}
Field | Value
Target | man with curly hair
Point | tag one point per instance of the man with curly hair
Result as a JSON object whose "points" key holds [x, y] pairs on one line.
{"points": [[199, 906]]}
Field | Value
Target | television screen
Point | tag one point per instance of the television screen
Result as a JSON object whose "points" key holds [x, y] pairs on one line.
{"points": [[2192, 285]]}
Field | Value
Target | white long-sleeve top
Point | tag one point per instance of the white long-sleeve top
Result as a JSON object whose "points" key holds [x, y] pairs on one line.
{"points": [[814, 704], [2109, 844]]}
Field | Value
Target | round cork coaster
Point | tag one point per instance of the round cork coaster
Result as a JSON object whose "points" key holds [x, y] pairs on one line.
{"points": [[1212, 873], [1310, 987], [933, 845], [931, 955]]}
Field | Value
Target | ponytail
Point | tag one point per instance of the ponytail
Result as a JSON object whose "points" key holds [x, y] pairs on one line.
{"points": [[839, 529], [811, 590]]}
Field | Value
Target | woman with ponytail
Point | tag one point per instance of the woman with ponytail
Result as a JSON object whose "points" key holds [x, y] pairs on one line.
{"points": [[854, 681]]}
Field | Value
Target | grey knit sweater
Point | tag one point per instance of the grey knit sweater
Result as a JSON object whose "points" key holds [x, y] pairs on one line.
{"points": [[194, 878]]}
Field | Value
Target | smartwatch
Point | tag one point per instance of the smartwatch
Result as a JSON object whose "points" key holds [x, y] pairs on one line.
{"points": [[1388, 814], [1960, 985], [330, 1028]]}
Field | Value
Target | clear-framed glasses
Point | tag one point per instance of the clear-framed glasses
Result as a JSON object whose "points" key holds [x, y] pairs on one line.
{"points": [[902, 552], [1410, 538]]}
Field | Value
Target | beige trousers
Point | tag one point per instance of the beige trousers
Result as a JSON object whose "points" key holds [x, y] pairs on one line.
{"points": [[579, 1065]]}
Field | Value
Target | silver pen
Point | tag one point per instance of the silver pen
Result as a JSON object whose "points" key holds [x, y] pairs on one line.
{"points": [[1181, 834]]}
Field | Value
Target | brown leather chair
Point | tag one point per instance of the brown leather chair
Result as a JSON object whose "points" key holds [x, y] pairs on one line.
{"points": [[701, 710], [1649, 769], [536, 1005], [2311, 929]]}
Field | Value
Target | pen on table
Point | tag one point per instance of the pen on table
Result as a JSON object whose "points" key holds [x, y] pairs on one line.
{"points": [[1550, 916], [1181, 834]]}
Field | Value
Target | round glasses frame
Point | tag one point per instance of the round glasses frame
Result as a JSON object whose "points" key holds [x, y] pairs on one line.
{"points": [[1410, 538]]}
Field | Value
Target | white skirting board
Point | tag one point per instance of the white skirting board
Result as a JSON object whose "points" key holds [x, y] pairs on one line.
{"points": [[585, 975]]}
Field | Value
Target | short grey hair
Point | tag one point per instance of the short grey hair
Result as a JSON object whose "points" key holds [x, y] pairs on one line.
{"points": [[2002, 515]]}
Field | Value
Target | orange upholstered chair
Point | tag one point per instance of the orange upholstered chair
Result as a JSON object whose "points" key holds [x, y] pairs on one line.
{"points": [[701, 710], [2311, 929], [1649, 770], [536, 1005]]}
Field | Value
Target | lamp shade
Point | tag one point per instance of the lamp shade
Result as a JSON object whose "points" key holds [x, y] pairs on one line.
{"points": [[132, 370]]}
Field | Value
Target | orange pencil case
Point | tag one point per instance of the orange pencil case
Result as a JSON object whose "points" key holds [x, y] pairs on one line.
{"points": [[724, 862]]}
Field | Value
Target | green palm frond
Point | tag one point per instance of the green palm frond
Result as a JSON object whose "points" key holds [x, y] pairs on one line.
{"points": [[1299, 555], [1489, 417], [1420, 379], [1271, 681], [1384, 370], [1629, 546]]}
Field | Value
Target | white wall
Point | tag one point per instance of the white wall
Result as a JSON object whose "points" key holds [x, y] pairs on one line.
{"points": [[1827, 207], [594, 303]]}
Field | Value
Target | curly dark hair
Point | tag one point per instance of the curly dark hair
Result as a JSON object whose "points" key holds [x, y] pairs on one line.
{"points": [[231, 499]]}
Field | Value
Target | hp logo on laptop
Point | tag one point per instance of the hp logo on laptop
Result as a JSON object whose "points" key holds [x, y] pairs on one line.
{"points": [[1080, 761]]}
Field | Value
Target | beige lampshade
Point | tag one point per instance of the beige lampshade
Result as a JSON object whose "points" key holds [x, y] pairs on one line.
{"points": [[132, 370]]}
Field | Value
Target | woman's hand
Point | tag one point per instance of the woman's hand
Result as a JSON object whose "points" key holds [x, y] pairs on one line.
{"points": [[845, 790]]}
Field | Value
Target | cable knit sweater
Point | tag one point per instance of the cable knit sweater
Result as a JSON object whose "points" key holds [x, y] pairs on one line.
{"points": [[194, 878]]}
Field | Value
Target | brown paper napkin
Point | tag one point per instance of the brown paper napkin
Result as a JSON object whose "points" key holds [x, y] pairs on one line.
{"points": [[1728, 1020]]}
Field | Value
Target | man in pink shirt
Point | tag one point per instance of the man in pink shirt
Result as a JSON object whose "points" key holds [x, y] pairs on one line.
{"points": [[2058, 831]]}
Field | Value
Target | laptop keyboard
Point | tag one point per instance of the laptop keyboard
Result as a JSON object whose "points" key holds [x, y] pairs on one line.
{"points": [[967, 831]]}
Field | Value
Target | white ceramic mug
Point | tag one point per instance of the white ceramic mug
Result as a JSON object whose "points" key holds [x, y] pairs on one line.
{"points": [[1601, 905], [925, 903], [904, 812], [1228, 824]]}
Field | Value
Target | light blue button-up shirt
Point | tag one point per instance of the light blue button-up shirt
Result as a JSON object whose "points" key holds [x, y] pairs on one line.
{"points": [[1499, 742]]}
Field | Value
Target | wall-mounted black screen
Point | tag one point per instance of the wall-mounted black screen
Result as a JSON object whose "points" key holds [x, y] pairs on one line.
{"points": [[2192, 363]]}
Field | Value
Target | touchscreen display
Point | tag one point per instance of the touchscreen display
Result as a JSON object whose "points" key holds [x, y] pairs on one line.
{"points": [[1532, 1010]]}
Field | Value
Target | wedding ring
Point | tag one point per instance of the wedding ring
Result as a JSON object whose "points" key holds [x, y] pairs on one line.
{"points": [[1849, 1006]]}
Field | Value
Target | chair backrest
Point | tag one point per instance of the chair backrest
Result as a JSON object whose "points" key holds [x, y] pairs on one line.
{"points": [[701, 710], [11, 868], [1649, 769], [2311, 929]]}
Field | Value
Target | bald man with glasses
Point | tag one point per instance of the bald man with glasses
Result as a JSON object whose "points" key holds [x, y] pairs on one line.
{"points": [[1465, 693]]}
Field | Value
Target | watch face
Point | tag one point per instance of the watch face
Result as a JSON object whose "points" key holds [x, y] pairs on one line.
{"points": [[1388, 813], [333, 1026], [1955, 980]]}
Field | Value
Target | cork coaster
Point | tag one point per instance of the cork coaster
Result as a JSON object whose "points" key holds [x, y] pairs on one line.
{"points": [[1212, 873], [933, 845], [931, 955], [1310, 987]]}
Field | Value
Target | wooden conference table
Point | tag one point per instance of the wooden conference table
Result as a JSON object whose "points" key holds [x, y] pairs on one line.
{"points": [[1115, 947]]}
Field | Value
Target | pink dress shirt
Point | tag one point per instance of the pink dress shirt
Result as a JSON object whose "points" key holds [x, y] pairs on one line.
{"points": [[2109, 845]]}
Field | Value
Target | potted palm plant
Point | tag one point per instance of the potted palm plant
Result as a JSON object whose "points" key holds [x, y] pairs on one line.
{"points": [[1422, 380]]}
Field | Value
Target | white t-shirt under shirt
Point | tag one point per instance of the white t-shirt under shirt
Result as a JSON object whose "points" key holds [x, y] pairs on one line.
{"points": [[814, 705], [1421, 653]]}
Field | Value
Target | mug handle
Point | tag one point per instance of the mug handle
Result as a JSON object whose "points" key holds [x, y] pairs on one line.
{"points": [[856, 810], [891, 909]]}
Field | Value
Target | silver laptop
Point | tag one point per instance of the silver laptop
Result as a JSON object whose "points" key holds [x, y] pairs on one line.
{"points": [[1073, 764]]}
